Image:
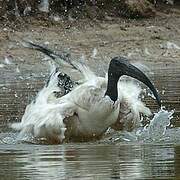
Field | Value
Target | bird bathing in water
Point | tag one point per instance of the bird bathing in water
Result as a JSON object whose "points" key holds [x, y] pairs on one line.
{"points": [[66, 111]]}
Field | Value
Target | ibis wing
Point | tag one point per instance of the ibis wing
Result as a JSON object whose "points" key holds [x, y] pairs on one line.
{"points": [[45, 121], [76, 70]]}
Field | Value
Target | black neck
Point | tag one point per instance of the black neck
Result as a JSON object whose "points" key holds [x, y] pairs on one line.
{"points": [[120, 66], [112, 90]]}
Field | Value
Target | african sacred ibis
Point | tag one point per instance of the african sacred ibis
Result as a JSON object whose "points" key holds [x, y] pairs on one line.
{"points": [[89, 109]]}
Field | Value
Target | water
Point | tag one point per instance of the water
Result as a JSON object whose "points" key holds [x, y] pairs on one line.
{"points": [[118, 155], [90, 161], [150, 152]]}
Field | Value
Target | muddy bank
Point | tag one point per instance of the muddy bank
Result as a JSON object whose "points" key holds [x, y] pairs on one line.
{"points": [[153, 42]]}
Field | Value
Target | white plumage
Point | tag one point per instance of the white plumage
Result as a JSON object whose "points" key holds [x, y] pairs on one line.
{"points": [[83, 114]]}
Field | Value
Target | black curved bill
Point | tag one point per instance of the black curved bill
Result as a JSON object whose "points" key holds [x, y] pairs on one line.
{"points": [[125, 68]]}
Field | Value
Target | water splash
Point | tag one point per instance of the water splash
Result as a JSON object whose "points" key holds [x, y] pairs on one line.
{"points": [[8, 138], [44, 6], [156, 130]]}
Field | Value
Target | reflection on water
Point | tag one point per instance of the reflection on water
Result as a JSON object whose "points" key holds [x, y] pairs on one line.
{"points": [[153, 153], [89, 161], [118, 155]]}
